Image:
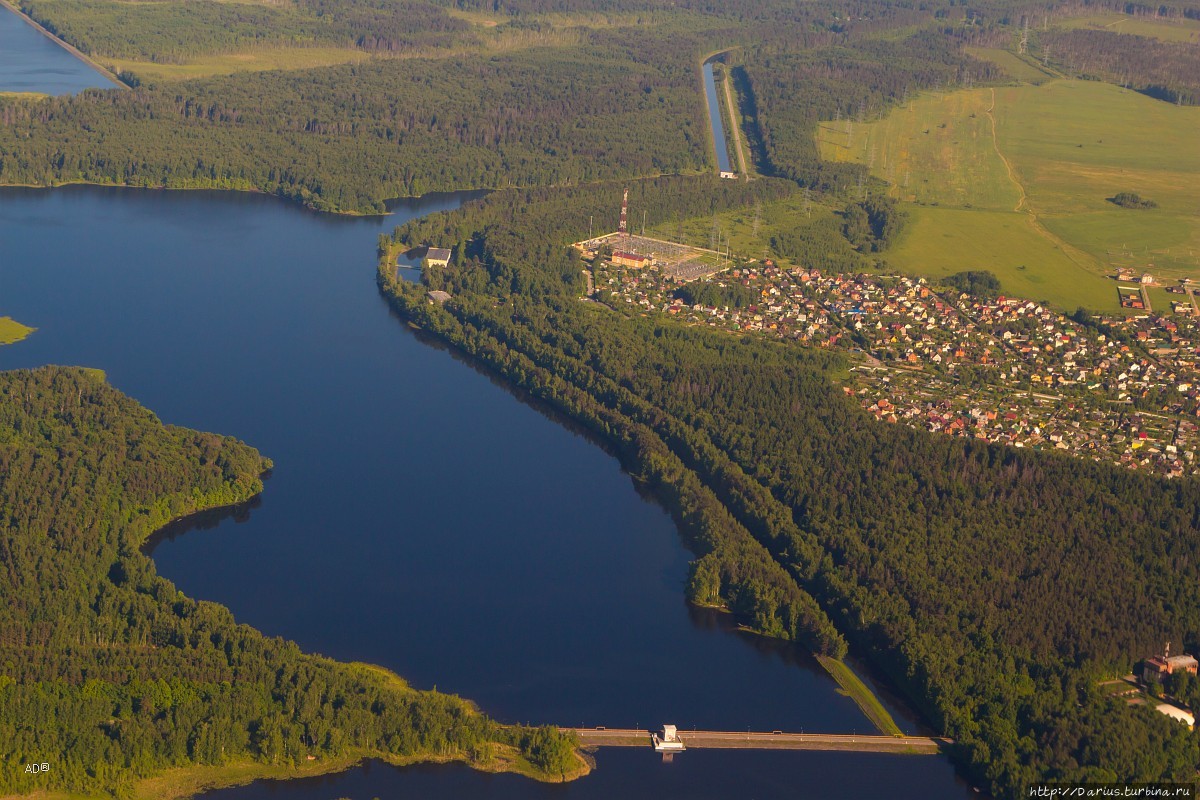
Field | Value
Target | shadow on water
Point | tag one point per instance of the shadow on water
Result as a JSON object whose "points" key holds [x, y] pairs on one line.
{"points": [[207, 520], [789, 653], [523, 396]]}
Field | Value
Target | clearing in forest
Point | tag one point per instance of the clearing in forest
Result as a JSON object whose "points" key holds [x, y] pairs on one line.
{"points": [[1164, 29]]}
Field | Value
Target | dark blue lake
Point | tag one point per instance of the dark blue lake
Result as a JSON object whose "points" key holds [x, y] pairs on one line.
{"points": [[420, 516]]}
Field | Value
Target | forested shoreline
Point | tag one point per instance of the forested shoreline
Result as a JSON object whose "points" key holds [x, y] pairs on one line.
{"points": [[813, 522], [114, 676]]}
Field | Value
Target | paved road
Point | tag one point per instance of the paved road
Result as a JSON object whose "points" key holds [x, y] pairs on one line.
{"points": [[765, 740]]}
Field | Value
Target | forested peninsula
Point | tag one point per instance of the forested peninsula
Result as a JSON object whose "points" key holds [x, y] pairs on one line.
{"points": [[127, 688], [813, 522]]}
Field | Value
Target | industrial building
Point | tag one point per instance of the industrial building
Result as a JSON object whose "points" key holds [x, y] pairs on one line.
{"points": [[1156, 668], [630, 260], [437, 257]]}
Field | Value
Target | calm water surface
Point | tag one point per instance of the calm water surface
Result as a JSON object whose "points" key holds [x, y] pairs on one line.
{"points": [[419, 516], [714, 118], [30, 62]]}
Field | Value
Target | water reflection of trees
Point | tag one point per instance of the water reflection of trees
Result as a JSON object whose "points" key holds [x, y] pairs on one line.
{"points": [[203, 521]]}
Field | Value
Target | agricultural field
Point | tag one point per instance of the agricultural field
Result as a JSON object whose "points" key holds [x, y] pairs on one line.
{"points": [[1017, 180], [1162, 28], [1074, 144], [942, 241]]}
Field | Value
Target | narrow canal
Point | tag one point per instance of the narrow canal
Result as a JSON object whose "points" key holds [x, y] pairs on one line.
{"points": [[714, 118]]}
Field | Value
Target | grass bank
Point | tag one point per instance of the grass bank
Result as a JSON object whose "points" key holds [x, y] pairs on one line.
{"points": [[12, 331], [860, 693]]}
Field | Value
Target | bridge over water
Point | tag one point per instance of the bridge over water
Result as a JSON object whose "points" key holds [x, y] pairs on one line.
{"points": [[766, 740]]}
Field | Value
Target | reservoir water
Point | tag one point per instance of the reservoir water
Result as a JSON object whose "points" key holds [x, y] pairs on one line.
{"points": [[30, 62], [420, 516], [714, 118]]}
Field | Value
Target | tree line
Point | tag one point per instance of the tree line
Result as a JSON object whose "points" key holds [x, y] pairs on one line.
{"points": [[1167, 71]]}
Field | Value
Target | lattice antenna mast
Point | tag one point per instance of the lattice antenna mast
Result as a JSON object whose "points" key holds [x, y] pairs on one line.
{"points": [[625, 213]]}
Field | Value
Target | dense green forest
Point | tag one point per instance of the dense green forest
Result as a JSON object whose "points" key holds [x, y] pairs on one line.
{"points": [[171, 32], [873, 224], [813, 522], [618, 98], [536, 117], [111, 674]]}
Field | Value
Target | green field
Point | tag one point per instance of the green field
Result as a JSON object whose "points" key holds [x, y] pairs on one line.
{"points": [[1167, 30], [860, 693], [1032, 191], [943, 241], [228, 63], [1021, 68], [748, 231], [12, 331], [1074, 144]]}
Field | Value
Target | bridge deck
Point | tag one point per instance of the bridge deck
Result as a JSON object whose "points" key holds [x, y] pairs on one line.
{"points": [[626, 737]]}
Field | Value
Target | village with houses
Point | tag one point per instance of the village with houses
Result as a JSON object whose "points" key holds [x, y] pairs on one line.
{"points": [[1124, 389]]}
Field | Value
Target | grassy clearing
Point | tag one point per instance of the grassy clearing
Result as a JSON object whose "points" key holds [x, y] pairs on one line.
{"points": [[943, 241], [858, 691], [747, 230], [1030, 202], [1167, 30], [668, 19], [484, 19], [12, 331], [490, 41], [228, 63], [1021, 68], [1076, 143], [938, 150]]}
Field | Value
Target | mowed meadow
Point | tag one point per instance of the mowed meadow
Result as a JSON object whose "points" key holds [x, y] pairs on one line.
{"points": [[1017, 179]]}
